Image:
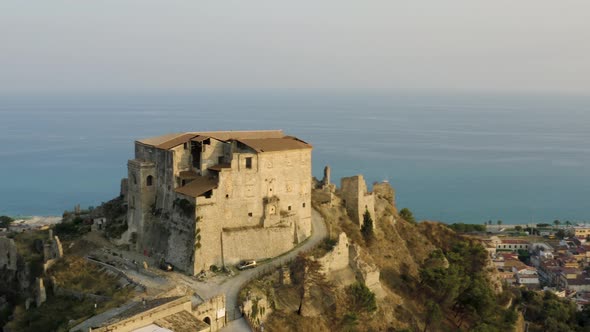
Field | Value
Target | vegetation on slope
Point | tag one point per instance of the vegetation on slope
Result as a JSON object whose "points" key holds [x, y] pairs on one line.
{"points": [[434, 279], [57, 313]]}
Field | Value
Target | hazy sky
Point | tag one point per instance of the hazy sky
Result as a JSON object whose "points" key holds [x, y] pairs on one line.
{"points": [[142, 45]]}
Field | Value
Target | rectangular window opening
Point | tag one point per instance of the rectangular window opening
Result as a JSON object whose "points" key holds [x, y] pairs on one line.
{"points": [[249, 214], [248, 162], [289, 207], [303, 204]]}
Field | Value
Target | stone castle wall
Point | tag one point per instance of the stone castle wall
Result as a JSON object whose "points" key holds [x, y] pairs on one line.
{"points": [[256, 243], [274, 192]]}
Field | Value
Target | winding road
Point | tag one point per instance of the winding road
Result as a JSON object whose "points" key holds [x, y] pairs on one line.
{"points": [[231, 287], [223, 285]]}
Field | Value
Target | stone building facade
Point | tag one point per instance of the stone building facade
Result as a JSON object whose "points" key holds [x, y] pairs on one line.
{"points": [[214, 198]]}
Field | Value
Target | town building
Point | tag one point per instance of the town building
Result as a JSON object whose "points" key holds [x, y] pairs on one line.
{"points": [[512, 245], [200, 199]]}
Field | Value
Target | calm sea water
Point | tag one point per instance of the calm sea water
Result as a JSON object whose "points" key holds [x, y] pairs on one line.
{"points": [[452, 158]]}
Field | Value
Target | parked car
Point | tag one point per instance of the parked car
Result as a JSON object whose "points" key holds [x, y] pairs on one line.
{"points": [[166, 266], [247, 264]]}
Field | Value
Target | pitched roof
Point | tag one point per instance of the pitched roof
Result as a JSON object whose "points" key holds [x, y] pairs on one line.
{"points": [[182, 322], [275, 144], [198, 186], [259, 140]]}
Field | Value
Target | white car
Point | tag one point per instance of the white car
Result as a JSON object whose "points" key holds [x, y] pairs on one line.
{"points": [[248, 264]]}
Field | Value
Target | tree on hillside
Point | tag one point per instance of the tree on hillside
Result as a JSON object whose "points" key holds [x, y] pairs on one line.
{"points": [[5, 221], [407, 215], [306, 274], [367, 228], [433, 314], [556, 222], [361, 299], [568, 223], [490, 222], [518, 228], [499, 222]]}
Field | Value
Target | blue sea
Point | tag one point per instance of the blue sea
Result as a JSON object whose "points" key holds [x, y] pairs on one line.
{"points": [[451, 157]]}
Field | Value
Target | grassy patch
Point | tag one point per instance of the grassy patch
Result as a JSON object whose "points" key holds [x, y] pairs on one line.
{"points": [[77, 274], [53, 315]]}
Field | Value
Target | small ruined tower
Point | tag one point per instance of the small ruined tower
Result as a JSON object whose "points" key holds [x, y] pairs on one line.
{"points": [[357, 199], [326, 179]]}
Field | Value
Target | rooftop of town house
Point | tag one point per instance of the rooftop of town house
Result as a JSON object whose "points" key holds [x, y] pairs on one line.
{"points": [[258, 140], [514, 241], [182, 322], [144, 307], [581, 279]]}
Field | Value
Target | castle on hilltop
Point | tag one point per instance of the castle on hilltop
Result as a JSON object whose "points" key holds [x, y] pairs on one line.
{"points": [[214, 198]]}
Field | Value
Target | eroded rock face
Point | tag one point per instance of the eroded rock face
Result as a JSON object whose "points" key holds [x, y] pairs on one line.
{"points": [[7, 254], [40, 294], [367, 273]]}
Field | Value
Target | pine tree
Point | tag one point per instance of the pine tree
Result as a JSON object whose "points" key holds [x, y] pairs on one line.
{"points": [[367, 228]]}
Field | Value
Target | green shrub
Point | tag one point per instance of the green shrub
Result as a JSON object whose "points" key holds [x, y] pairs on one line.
{"points": [[361, 299]]}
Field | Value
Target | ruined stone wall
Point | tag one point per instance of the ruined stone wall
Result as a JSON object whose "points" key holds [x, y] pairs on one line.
{"points": [[256, 243], [7, 254], [338, 258], [357, 199]]}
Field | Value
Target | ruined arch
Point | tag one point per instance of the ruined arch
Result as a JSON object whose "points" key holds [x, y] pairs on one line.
{"points": [[207, 321]]}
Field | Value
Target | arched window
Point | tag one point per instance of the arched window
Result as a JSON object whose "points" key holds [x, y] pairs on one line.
{"points": [[207, 321], [149, 180]]}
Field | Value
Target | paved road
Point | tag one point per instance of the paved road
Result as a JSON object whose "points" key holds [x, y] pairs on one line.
{"points": [[217, 285], [232, 286]]}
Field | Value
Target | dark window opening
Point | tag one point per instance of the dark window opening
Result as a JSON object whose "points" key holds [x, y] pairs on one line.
{"points": [[220, 160], [226, 196], [149, 180], [289, 207], [183, 183], [207, 141], [134, 179], [249, 214], [249, 162], [208, 194], [303, 204], [185, 145], [196, 154]]}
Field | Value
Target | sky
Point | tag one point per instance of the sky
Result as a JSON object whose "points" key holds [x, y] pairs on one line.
{"points": [[59, 46]]}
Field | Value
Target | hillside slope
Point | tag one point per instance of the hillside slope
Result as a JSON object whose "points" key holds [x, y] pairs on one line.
{"points": [[430, 279]]}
